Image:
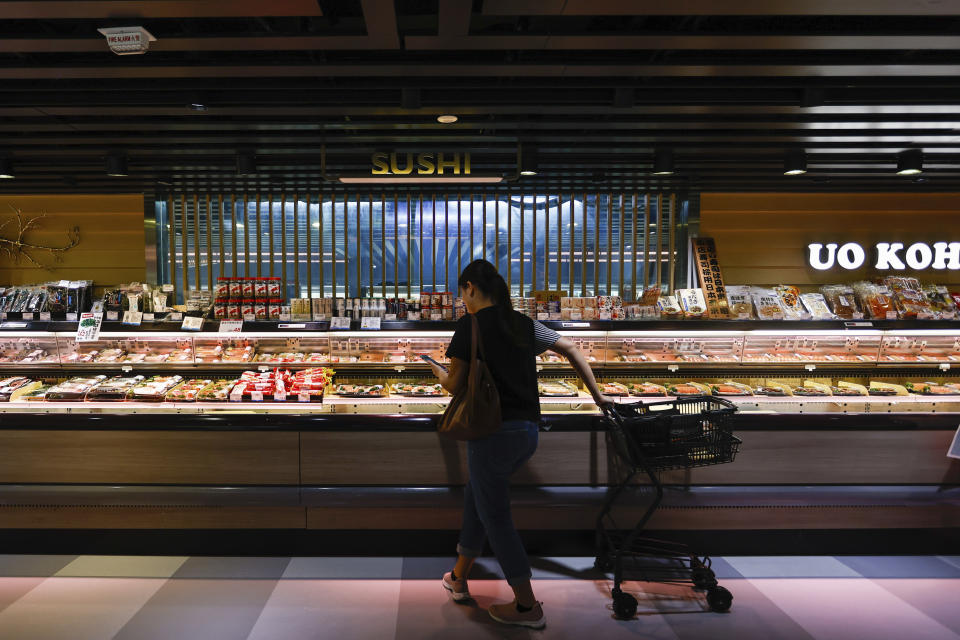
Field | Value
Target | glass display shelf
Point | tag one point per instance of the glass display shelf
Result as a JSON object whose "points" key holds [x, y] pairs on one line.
{"points": [[811, 347]]}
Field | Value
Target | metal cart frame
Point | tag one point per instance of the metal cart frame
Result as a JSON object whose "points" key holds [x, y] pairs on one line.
{"points": [[649, 438]]}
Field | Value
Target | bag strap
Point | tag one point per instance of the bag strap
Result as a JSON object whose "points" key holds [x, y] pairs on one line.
{"points": [[476, 340]]}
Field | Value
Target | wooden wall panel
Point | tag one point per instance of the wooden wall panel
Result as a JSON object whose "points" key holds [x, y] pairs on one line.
{"points": [[66, 517], [762, 237], [112, 246], [149, 457], [411, 459]]}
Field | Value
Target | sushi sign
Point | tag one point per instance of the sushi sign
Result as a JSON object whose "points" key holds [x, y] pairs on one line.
{"points": [[886, 256]]}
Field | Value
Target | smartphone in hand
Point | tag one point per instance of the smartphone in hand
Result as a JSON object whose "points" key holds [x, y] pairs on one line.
{"points": [[427, 358]]}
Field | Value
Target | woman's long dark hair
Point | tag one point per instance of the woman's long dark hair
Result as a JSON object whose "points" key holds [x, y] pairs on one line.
{"points": [[484, 276]]}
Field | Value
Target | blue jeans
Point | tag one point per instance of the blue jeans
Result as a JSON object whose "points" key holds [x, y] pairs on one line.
{"points": [[486, 510]]}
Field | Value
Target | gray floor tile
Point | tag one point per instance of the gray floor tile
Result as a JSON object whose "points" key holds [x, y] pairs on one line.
{"points": [[344, 568], [791, 567], [238, 568], [901, 567], [35, 566]]}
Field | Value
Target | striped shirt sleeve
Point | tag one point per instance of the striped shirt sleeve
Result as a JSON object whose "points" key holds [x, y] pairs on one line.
{"points": [[543, 337]]}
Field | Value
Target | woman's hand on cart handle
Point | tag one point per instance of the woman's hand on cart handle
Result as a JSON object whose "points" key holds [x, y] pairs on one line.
{"points": [[603, 401]]}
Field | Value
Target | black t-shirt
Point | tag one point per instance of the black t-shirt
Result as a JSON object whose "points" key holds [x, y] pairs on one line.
{"points": [[513, 366]]}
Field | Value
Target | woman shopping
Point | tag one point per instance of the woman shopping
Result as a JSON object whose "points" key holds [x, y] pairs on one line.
{"points": [[510, 343]]}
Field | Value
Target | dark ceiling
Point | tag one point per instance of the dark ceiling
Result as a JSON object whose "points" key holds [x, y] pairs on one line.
{"points": [[594, 85]]}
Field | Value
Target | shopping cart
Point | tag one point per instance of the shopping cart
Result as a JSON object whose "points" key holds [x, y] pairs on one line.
{"points": [[650, 438]]}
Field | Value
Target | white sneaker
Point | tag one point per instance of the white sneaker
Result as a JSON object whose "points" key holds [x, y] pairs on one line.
{"points": [[457, 588]]}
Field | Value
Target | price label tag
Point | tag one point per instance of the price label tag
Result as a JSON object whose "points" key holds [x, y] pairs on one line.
{"points": [[283, 317], [604, 315], [71, 317], [166, 288], [26, 315], [372, 324], [88, 329], [340, 323], [249, 317], [64, 283], [576, 325], [236, 395], [292, 326], [280, 396], [45, 316], [303, 397], [192, 323], [891, 315], [256, 396], [132, 318], [390, 317], [113, 315], [176, 316], [576, 315], [436, 316], [230, 326], [543, 316]]}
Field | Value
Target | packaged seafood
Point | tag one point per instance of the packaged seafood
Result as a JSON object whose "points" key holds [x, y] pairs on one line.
{"points": [[115, 389], [768, 390], [216, 391], [614, 389], [186, 391], [692, 302], [646, 389], [790, 302], [238, 354], [688, 389], [804, 390], [842, 301], [154, 389], [931, 389], [908, 297], [850, 388], [767, 304], [31, 393], [557, 389], [8, 386], [740, 302], [875, 300], [109, 355], [729, 388], [33, 356], [417, 389], [360, 390], [941, 305], [816, 306], [886, 389], [74, 388]]}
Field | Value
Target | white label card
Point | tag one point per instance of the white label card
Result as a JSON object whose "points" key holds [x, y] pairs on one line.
{"points": [[249, 317], [303, 397], [113, 315], [340, 322], [230, 326], [280, 396], [283, 317], [147, 317], [71, 317], [891, 315], [192, 323], [390, 317], [175, 316], [436, 317], [372, 324], [45, 315], [27, 315], [543, 316], [132, 317], [256, 396], [88, 329]]}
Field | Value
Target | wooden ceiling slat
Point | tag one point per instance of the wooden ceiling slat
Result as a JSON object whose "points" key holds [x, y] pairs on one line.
{"points": [[715, 8]]}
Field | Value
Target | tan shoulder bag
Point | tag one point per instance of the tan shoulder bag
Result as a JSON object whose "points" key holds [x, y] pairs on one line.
{"points": [[474, 410]]}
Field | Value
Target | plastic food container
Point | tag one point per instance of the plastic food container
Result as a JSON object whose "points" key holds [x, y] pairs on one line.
{"points": [[154, 389], [115, 389], [73, 389]]}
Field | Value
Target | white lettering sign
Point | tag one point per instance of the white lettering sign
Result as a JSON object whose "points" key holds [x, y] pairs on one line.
{"points": [[888, 256]]}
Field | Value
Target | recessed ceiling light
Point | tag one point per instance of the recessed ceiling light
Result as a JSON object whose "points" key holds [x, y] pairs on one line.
{"points": [[117, 165], [528, 172], [6, 169], [794, 163], [447, 118], [910, 162], [196, 106], [663, 162]]}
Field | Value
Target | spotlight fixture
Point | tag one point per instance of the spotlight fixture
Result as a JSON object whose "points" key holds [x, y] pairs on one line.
{"points": [[528, 159], [6, 169], [663, 162], [197, 106], [117, 165], [246, 163], [794, 163], [447, 118], [910, 162]]}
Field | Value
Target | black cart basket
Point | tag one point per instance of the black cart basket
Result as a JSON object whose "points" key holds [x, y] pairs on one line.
{"points": [[648, 438]]}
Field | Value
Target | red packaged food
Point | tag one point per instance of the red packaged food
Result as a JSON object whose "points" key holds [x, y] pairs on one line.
{"points": [[236, 289], [219, 311], [248, 289], [275, 288], [248, 307], [260, 310], [260, 289], [222, 292]]}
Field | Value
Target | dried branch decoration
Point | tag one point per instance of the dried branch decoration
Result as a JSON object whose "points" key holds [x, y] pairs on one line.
{"points": [[17, 248]]}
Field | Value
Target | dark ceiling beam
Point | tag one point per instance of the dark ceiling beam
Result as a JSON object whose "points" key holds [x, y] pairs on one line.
{"points": [[685, 42], [259, 43], [453, 19], [480, 70], [724, 8], [381, 19], [115, 9]]}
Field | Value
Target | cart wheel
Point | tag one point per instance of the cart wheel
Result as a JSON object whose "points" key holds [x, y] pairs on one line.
{"points": [[603, 563], [719, 599], [624, 605], [703, 578]]}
